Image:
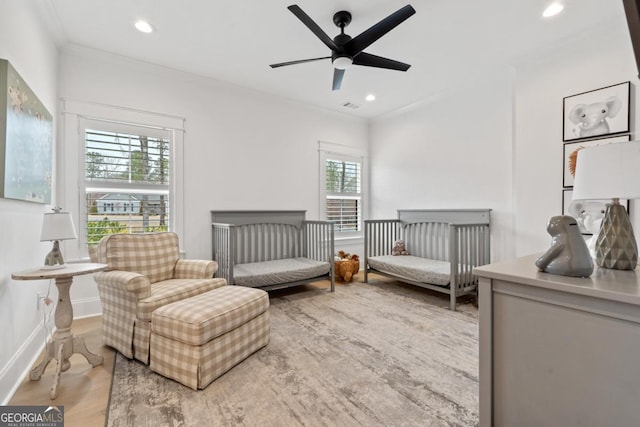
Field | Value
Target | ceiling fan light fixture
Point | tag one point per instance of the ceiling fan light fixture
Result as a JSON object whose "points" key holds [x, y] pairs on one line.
{"points": [[344, 48], [144, 26], [342, 62]]}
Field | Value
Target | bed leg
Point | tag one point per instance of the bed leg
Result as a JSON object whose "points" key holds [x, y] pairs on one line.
{"points": [[452, 299]]}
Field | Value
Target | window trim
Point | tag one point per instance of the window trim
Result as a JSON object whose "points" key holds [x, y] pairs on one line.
{"points": [[340, 152], [69, 193]]}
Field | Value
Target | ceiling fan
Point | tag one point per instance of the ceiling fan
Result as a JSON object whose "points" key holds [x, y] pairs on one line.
{"points": [[347, 51]]}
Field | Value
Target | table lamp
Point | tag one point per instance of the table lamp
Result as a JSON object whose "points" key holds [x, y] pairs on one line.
{"points": [[56, 226], [611, 171]]}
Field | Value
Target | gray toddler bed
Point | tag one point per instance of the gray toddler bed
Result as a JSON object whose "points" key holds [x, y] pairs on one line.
{"points": [[444, 246], [272, 249]]}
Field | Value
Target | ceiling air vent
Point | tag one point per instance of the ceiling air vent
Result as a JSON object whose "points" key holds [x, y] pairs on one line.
{"points": [[350, 105]]}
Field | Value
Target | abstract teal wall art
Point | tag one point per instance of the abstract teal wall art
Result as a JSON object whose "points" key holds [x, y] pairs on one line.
{"points": [[26, 140]]}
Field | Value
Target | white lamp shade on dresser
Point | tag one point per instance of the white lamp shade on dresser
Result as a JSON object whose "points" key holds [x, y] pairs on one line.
{"points": [[610, 171]]}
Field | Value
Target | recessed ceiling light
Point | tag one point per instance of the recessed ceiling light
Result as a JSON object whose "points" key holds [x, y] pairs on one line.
{"points": [[552, 10], [144, 26], [370, 97]]}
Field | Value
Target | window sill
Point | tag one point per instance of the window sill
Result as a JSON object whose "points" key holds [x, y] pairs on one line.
{"points": [[349, 239]]}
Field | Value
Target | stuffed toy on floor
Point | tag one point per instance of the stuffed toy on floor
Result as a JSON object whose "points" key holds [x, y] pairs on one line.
{"points": [[346, 266]]}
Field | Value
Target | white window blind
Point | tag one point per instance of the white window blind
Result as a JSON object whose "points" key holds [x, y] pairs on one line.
{"points": [[343, 189], [127, 180]]}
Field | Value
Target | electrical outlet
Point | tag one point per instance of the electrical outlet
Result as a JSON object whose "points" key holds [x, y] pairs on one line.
{"points": [[38, 301]]}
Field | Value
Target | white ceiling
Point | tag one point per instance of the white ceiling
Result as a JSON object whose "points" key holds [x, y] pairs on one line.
{"points": [[447, 42]]}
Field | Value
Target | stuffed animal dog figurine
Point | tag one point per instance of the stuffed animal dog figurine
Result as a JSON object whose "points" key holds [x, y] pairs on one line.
{"points": [[398, 248]]}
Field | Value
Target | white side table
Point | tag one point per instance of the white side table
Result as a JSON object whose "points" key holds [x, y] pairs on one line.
{"points": [[64, 343]]}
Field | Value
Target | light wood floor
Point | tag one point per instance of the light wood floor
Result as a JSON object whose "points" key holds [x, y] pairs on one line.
{"points": [[83, 390]]}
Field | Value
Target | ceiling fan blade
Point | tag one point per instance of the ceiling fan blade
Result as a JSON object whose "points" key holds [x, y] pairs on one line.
{"points": [[300, 61], [367, 37], [370, 60], [337, 78], [315, 29]]}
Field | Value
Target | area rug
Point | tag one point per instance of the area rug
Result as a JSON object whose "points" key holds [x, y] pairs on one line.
{"points": [[377, 354]]}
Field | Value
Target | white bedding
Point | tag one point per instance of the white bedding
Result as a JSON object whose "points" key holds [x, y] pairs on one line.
{"points": [[257, 274], [411, 267]]}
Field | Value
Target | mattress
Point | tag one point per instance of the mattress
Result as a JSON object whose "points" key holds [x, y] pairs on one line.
{"points": [[266, 273], [411, 267]]}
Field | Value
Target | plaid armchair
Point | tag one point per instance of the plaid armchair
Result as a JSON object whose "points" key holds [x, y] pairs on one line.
{"points": [[145, 272]]}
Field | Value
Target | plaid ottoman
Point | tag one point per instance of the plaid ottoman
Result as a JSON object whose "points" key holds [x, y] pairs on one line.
{"points": [[195, 340]]}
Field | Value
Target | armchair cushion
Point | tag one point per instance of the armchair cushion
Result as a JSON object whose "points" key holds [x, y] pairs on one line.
{"points": [[173, 290], [153, 255]]}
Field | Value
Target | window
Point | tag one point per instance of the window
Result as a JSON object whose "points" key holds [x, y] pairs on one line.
{"points": [[127, 180], [122, 164], [342, 192]]}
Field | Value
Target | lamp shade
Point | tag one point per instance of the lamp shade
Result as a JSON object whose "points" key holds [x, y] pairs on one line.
{"points": [[610, 171], [57, 226]]}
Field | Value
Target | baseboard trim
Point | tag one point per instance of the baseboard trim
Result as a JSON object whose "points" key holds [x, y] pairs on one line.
{"points": [[19, 366], [88, 307]]}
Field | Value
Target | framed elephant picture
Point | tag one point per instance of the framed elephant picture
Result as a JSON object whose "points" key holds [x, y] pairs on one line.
{"points": [[596, 113]]}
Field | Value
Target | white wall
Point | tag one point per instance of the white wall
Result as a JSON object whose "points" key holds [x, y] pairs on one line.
{"points": [[29, 48], [606, 59], [498, 144], [452, 151], [243, 149]]}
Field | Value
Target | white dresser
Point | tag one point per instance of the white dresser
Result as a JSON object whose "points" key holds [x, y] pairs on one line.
{"points": [[556, 350]]}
